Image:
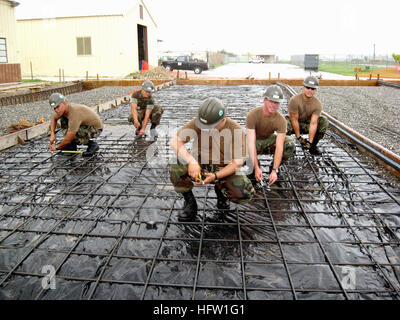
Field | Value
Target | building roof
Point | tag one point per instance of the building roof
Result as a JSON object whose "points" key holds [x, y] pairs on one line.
{"points": [[13, 3], [47, 9]]}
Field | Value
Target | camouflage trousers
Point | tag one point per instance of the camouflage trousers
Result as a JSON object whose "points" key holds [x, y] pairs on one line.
{"points": [[154, 118], [323, 124], [237, 187], [267, 146], [84, 134]]}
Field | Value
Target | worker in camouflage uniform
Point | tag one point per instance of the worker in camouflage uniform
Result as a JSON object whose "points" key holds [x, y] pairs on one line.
{"points": [[261, 125], [80, 124], [219, 150], [305, 116], [144, 109]]}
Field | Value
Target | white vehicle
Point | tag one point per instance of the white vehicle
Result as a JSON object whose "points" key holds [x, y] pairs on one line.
{"points": [[256, 60]]}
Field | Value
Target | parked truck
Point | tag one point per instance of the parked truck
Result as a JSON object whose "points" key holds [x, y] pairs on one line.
{"points": [[185, 63]]}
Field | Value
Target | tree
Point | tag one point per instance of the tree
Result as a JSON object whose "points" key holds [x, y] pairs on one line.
{"points": [[230, 54], [396, 57]]}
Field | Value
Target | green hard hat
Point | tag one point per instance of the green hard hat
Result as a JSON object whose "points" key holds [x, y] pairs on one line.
{"points": [[211, 113], [311, 82], [274, 93], [148, 86], [55, 99]]}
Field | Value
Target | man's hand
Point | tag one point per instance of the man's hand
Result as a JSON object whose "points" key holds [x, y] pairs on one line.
{"points": [[136, 124], [304, 142], [210, 177], [52, 138], [194, 169], [141, 132], [273, 176], [258, 174]]}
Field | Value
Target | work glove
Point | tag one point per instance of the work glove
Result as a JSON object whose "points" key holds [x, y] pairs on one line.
{"points": [[304, 142]]}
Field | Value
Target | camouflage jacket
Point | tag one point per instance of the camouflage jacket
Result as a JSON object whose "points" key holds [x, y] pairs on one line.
{"points": [[142, 103]]}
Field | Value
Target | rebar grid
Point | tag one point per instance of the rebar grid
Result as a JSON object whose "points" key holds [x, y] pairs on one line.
{"points": [[328, 229]]}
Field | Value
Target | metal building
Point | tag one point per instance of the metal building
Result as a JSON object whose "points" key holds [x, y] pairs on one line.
{"points": [[108, 39], [311, 62]]}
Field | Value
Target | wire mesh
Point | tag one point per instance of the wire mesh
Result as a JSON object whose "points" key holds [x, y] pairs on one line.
{"points": [[106, 227]]}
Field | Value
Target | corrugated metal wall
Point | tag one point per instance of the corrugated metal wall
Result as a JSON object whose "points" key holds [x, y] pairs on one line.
{"points": [[51, 45]]}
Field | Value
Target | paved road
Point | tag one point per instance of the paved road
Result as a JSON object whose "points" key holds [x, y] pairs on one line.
{"points": [[262, 71]]}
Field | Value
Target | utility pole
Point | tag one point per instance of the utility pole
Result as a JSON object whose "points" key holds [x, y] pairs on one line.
{"points": [[374, 51], [373, 60]]}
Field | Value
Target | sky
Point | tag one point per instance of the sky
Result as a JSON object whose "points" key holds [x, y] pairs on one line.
{"points": [[283, 27]]}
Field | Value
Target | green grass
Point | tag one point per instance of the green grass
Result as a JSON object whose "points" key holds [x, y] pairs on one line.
{"points": [[346, 69], [31, 80]]}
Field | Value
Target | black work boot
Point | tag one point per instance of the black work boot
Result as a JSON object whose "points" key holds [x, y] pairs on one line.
{"points": [[92, 148], [153, 131], [190, 208], [72, 146], [222, 201], [314, 149]]}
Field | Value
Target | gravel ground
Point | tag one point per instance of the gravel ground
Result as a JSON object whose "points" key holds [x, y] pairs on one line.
{"points": [[157, 73], [372, 111]]}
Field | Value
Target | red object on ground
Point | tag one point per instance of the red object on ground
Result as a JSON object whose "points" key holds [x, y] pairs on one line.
{"points": [[145, 66]]}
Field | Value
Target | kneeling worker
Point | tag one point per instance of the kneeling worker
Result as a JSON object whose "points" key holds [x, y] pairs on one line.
{"points": [[219, 150], [261, 125], [148, 109], [305, 116], [79, 123]]}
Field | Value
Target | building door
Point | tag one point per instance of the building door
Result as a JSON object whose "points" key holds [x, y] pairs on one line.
{"points": [[142, 45]]}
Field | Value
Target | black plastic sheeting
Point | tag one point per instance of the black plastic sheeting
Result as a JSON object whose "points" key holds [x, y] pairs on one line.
{"points": [[106, 227]]}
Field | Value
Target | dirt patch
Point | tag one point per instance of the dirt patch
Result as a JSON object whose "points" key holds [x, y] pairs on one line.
{"points": [[391, 72]]}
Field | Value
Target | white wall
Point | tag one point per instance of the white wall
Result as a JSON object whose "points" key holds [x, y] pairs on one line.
{"points": [[132, 20]]}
